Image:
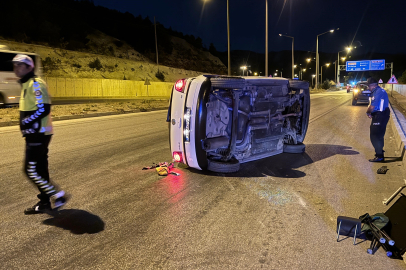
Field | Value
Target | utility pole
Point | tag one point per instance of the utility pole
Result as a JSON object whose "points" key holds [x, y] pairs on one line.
{"points": [[293, 59], [266, 38], [228, 39], [156, 45]]}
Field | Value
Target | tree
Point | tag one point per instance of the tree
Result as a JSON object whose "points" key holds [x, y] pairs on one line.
{"points": [[326, 84]]}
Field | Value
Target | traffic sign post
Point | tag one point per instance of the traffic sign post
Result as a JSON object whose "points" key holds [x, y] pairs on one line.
{"points": [[392, 81], [380, 81]]}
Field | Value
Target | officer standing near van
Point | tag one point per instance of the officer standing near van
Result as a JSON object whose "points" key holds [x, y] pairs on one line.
{"points": [[36, 127], [378, 111]]}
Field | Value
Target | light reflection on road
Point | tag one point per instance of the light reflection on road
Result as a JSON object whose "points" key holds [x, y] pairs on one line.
{"points": [[173, 185]]}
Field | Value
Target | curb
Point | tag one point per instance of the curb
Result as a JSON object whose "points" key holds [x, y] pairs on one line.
{"points": [[90, 115]]}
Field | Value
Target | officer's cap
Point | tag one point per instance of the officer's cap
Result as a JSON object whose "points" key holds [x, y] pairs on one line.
{"points": [[371, 81], [22, 58]]}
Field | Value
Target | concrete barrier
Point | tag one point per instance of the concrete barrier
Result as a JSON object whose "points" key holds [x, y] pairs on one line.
{"points": [[400, 88], [398, 125], [105, 88], [398, 120]]}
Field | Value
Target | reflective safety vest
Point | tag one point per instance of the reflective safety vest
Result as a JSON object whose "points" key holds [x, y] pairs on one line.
{"points": [[35, 111]]}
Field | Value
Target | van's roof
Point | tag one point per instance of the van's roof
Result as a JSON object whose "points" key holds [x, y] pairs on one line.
{"points": [[8, 51]]}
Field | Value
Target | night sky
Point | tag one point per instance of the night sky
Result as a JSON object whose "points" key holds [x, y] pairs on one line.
{"points": [[380, 26]]}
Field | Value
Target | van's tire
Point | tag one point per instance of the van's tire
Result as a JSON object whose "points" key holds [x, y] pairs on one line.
{"points": [[218, 166], [232, 83], [354, 102], [294, 148]]}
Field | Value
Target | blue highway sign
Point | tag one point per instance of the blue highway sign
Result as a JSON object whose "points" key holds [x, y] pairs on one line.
{"points": [[377, 65], [365, 65]]}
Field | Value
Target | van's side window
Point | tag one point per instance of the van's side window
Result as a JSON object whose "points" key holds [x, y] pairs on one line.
{"points": [[5, 61]]}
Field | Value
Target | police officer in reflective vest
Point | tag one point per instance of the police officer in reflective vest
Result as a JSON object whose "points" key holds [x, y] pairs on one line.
{"points": [[378, 111], [36, 127]]}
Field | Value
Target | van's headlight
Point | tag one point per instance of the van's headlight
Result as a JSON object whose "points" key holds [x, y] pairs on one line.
{"points": [[355, 90], [186, 129]]}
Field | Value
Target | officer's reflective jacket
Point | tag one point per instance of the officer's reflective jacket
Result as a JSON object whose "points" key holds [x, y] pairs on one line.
{"points": [[35, 106], [379, 99]]}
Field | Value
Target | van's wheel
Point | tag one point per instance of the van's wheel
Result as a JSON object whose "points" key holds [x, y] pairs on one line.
{"points": [[294, 148], [354, 102], [218, 166], [233, 83]]}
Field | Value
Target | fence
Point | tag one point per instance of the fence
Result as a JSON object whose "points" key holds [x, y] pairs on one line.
{"points": [[105, 88], [400, 88]]}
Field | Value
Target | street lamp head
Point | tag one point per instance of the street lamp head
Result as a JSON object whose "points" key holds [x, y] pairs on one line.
{"points": [[294, 66], [348, 48], [331, 31], [304, 70], [343, 58], [313, 75], [308, 59], [280, 35], [328, 64]]}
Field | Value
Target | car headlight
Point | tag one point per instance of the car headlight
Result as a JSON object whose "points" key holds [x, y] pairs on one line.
{"points": [[355, 90]]}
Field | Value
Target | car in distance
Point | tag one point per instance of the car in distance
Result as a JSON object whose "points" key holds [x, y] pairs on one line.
{"points": [[360, 93], [217, 122]]}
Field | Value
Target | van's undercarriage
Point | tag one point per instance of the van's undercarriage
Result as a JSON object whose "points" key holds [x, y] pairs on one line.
{"points": [[251, 119]]}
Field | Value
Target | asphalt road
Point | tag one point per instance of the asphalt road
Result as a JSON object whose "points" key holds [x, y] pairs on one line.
{"points": [[277, 213]]}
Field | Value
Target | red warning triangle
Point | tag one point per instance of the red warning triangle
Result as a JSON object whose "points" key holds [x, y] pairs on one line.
{"points": [[380, 81], [393, 80]]}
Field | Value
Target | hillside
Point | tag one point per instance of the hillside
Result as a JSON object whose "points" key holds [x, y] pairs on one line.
{"points": [[125, 63], [70, 34]]}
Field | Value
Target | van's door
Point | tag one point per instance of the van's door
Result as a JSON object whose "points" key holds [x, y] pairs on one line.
{"points": [[10, 89]]}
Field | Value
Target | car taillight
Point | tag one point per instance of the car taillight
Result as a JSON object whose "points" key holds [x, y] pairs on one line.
{"points": [[177, 156], [179, 85]]}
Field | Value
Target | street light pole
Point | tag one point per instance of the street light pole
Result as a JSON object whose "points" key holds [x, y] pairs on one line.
{"points": [[156, 45], [348, 49], [317, 55], [293, 49], [335, 71], [317, 61], [266, 38], [327, 65], [338, 65], [293, 61], [228, 39]]}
